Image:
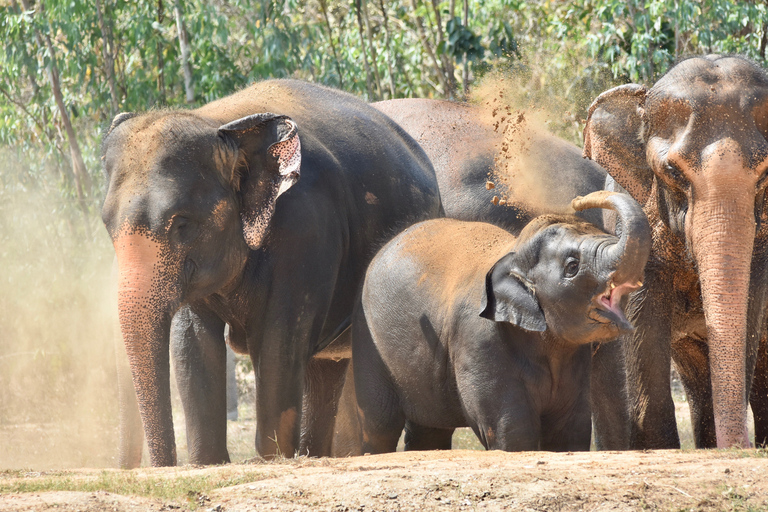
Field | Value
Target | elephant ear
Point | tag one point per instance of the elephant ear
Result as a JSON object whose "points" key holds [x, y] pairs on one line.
{"points": [[612, 138], [510, 298], [268, 163]]}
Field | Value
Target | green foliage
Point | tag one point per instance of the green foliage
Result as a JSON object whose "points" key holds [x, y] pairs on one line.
{"points": [[578, 46]]}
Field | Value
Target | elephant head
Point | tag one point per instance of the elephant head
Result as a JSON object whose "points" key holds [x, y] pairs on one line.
{"points": [[567, 276], [187, 199], [692, 149]]}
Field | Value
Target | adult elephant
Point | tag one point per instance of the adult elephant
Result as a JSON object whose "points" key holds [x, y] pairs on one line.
{"points": [[538, 172], [212, 226], [692, 149]]}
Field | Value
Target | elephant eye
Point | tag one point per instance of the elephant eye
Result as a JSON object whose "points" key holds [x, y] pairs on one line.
{"points": [[182, 228], [676, 175], [571, 267]]}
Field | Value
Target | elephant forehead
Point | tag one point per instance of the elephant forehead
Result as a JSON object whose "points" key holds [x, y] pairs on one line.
{"points": [[170, 142], [699, 82], [712, 70]]}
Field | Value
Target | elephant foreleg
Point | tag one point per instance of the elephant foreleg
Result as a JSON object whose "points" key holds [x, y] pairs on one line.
{"points": [[199, 355], [648, 361], [691, 358]]}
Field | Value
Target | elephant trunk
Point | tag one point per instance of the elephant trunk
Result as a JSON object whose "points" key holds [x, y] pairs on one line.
{"points": [[145, 309], [627, 256], [721, 226]]}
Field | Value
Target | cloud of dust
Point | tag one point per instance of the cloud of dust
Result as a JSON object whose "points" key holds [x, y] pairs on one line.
{"points": [[536, 133], [58, 393]]}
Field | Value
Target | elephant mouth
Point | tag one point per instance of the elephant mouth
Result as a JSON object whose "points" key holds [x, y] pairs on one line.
{"points": [[607, 305]]}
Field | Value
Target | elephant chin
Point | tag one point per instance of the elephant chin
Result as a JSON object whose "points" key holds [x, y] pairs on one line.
{"points": [[146, 300]]}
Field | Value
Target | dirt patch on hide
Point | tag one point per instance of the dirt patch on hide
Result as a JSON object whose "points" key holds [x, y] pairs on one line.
{"points": [[425, 481]]}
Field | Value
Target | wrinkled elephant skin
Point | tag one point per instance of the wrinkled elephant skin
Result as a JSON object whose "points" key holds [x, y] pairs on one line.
{"points": [[479, 329], [464, 145], [692, 149], [259, 211]]}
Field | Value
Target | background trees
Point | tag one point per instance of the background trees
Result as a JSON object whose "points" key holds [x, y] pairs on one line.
{"points": [[68, 67]]}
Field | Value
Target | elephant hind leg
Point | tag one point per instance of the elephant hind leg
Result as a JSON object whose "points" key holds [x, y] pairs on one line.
{"points": [[322, 388], [418, 437], [691, 357], [758, 397], [379, 410]]}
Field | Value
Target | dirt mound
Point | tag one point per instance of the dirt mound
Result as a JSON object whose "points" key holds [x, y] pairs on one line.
{"points": [[425, 481]]}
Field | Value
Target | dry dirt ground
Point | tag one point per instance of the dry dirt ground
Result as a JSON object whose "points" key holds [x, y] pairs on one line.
{"points": [[448, 480]]}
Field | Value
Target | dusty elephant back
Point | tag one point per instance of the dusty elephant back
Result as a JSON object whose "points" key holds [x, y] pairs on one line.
{"points": [[538, 173], [446, 258]]}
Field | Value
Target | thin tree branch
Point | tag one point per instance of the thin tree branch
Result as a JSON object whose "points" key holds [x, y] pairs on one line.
{"points": [[324, 8], [181, 28]]}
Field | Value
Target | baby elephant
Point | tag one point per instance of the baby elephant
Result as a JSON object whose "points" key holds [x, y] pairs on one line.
{"points": [[460, 324]]}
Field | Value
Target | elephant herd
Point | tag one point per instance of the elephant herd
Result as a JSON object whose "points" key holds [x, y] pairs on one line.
{"points": [[310, 226]]}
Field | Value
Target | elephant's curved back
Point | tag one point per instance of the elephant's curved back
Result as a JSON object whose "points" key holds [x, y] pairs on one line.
{"points": [[371, 162], [464, 144]]}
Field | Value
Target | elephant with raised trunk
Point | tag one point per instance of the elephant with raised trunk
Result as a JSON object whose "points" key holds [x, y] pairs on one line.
{"points": [[692, 150], [477, 328], [261, 211]]}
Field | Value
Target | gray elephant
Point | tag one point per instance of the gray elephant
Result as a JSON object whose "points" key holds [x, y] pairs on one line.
{"points": [[460, 324], [466, 145], [692, 150], [212, 226]]}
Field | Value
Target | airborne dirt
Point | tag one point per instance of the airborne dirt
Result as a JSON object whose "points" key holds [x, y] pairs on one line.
{"points": [[454, 480]]}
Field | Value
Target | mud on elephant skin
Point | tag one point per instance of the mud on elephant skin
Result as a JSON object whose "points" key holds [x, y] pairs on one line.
{"points": [[542, 173], [212, 225], [692, 150], [476, 328]]}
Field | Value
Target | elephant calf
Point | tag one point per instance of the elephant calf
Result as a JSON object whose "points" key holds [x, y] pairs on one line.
{"points": [[461, 324]]}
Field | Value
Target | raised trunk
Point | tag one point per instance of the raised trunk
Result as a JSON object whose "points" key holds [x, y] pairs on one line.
{"points": [[630, 253], [722, 234], [146, 301]]}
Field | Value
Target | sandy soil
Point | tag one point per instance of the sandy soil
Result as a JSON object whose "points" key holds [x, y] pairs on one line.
{"points": [[449, 480]]}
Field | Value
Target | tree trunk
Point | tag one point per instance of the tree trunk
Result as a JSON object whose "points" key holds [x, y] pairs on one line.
{"points": [[181, 28], [388, 47], [368, 80], [428, 47], [445, 58], [107, 50], [160, 60], [324, 8], [374, 56], [82, 179], [465, 77]]}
